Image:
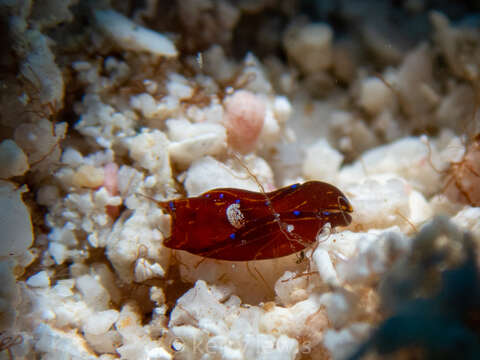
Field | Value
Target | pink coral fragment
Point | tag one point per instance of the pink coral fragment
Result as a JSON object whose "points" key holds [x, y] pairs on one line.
{"points": [[110, 178], [244, 118], [110, 183]]}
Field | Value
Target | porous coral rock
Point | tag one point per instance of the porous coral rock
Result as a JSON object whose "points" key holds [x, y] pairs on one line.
{"points": [[83, 209], [136, 340], [216, 19], [98, 76], [217, 65], [414, 74], [461, 182], [212, 113], [128, 95], [179, 87], [252, 282], [133, 234], [145, 270], [343, 343], [88, 176], [150, 150], [15, 221], [278, 111], [290, 288], [39, 141], [314, 39], [40, 279], [146, 104], [191, 142], [456, 108], [322, 162], [59, 252], [57, 344], [374, 95], [468, 218], [344, 60], [63, 306], [39, 67], [207, 173], [13, 161], [458, 44], [131, 36], [298, 320], [86, 211], [156, 110], [158, 353], [418, 290], [411, 158], [103, 123], [94, 293], [49, 13], [253, 77], [101, 323], [350, 132], [131, 182], [324, 266], [380, 203], [271, 130], [239, 336], [8, 296], [282, 109], [370, 254]]}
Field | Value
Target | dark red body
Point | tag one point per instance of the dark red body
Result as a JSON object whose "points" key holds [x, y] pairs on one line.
{"points": [[241, 225]]}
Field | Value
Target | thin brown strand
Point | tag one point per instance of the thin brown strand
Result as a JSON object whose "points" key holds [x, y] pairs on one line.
{"points": [[259, 184], [199, 263], [330, 230], [173, 254], [263, 279], [159, 203], [401, 103], [429, 157], [407, 220], [341, 210], [387, 84], [470, 168], [268, 203], [142, 251], [297, 276], [457, 169], [260, 275], [250, 271], [189, 314], [448, 183], [49, 152], [300, 257], [463, 191], [7, 342], [364, 167], [248, 79]]}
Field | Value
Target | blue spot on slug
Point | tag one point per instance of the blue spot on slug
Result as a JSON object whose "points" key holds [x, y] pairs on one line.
{"points": [[296, 212]]}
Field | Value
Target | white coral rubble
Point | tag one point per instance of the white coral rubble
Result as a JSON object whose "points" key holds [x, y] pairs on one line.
{"points": [[104, 286]]}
